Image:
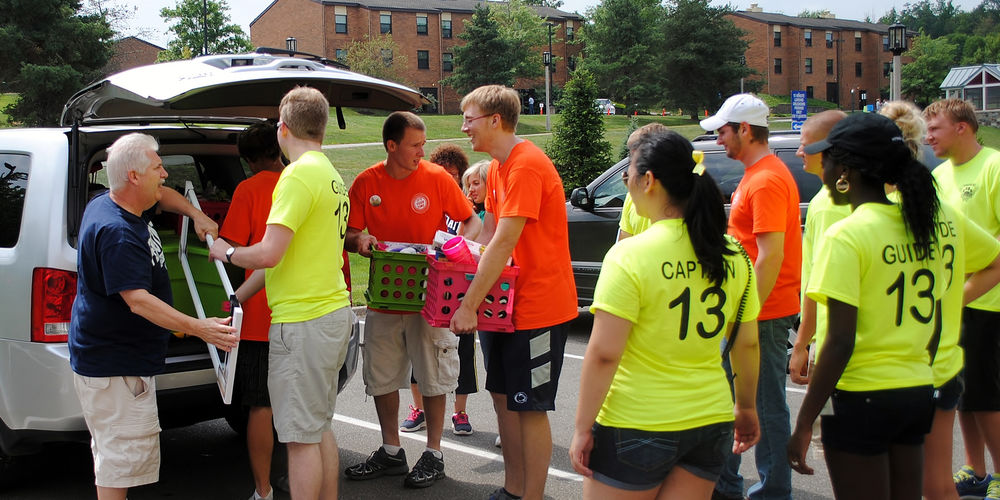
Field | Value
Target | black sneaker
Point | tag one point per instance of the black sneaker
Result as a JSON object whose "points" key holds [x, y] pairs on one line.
{"points": [[501, 493], [379, 463], [425, 472]]}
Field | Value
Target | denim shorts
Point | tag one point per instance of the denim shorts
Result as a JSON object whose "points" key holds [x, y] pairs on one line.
{"points": [[947, 396], [636, 460], [868, 422]]}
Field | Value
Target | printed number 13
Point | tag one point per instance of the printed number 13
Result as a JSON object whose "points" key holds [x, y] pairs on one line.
{"points": [[342, 211]]}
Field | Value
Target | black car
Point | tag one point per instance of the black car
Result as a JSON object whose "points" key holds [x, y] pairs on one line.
{"points": [[593, 211]]}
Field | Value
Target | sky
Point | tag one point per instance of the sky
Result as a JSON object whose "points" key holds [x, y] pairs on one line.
{"points": [[147, 24]]}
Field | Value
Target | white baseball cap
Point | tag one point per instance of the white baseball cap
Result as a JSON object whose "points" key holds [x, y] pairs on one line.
{"points": [[738, 109]]}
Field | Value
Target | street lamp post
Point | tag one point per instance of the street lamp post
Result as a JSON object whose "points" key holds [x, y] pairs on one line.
{"points": [[547, 59], [897, 44]]}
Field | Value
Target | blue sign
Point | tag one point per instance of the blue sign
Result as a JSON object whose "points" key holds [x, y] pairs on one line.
{"points": [[799, 109]]}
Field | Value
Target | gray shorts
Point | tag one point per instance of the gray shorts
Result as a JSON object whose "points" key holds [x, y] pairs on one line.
{"points": [[124, 427], [303, 365], [395, 341]]}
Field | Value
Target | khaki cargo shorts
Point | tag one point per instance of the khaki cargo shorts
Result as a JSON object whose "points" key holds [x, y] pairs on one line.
{"points": [[124, 427], [304, 361], [395, 341]]}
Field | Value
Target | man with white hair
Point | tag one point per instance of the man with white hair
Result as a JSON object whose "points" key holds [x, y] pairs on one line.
{"points": [[121, 318]]}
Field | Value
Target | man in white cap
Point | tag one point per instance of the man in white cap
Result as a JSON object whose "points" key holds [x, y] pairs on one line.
{"points": [[765, 219]]}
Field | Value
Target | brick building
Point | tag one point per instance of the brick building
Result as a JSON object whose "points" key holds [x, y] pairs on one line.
{"points": [[130, 52], [826, 57], [427, 29]]}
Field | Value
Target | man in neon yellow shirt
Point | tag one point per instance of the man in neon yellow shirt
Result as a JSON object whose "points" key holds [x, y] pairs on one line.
{"points": [[311, 321], [967, 179]]}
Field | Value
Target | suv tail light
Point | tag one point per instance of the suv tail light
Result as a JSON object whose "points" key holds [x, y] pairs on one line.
{"points": [[52, 294]]}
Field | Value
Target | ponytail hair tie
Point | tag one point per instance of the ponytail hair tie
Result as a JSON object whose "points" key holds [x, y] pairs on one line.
{"points": [[699, 165]]}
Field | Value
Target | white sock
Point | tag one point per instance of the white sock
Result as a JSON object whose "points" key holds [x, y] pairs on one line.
{"points": [[390, 449], [437, 453]]}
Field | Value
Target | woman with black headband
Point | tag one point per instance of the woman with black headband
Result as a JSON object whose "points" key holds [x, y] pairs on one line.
{"points": [[656, 416], [891, 276]]}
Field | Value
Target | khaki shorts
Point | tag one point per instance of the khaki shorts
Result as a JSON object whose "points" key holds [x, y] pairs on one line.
{"points": [[304, 361], [124, 427], [395, 341]]}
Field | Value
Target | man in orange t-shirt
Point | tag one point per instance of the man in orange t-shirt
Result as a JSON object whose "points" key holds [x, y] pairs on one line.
{"points": [[526, 219], [765, 219], [405, 199], [245, 224]]}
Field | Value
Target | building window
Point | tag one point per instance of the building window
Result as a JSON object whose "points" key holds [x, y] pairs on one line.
{"points": [[809, 65], [886, 69], [385, 22], [340, 23], [809, 38], [342, 55], [423, 59], [571, 63], [857, 42], [885, 43], [857, 69], [447, 62], [421, 24], [777, 39], [777, 65], [387, 57], [569, 32], [829, 39], [809, 92], [829, 66], [446, 28]]}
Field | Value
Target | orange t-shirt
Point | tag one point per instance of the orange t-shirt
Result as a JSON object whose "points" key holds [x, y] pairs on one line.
{"points": [[527, 185], [407, 210], [245, 224], [767, 201]]}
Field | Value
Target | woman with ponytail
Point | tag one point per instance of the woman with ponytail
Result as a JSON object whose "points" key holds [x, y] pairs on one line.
{"points": [[891, 276], [656, 416]]}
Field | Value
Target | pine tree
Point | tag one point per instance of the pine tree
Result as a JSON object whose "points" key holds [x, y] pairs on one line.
{"points": [[485, 58], [578, 148]]}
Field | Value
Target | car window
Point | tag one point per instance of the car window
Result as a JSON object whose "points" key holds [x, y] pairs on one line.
{"points": [[611, 192], [807, 183], [13, 182], [726, 171]]}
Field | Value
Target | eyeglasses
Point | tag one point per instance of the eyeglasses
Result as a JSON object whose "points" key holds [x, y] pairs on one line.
{"points": [[278, 126], [625, 176], [466, 120]]}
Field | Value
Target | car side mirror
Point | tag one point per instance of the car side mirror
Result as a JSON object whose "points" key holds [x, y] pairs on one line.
{"points": [[580, 198]]}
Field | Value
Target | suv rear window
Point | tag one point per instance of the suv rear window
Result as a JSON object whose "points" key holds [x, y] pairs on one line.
{"points": [[13, 182]]}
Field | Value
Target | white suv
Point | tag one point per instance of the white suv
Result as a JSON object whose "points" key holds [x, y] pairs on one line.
{"points": [[195, 109]]}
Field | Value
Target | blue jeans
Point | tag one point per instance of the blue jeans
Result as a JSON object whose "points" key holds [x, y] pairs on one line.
{"points": [[775, 427]]}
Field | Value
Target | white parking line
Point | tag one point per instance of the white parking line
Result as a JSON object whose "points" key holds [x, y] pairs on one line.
{"points": [[572, 476]]}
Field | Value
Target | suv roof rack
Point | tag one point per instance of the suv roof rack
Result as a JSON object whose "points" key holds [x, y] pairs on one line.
{"points": [[303, 55]]}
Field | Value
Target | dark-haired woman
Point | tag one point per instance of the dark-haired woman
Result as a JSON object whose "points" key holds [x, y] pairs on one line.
{"points": [[655, 417], [891, 277]]}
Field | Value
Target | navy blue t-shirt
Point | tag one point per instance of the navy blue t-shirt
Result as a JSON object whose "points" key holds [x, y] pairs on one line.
{"points": [[117, 252]]}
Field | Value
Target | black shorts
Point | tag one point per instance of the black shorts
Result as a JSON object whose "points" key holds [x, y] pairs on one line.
{"points": [[981, 341], [947, 396], [250, 385], [635, 460], [525, 365], [868, 422]]}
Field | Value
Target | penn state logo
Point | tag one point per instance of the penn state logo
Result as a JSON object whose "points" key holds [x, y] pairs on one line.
{"points": [[968, 191], [521, 398], [420, 203]]}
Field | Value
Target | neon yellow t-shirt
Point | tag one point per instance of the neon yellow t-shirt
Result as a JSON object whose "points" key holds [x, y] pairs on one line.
{"points": [[868, 260], [670, 376], [821, 215], [973, 250], [983, 207], [311, 200], [631, 222]]}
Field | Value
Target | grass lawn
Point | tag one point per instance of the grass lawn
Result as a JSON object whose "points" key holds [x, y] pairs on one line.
{"points": [[6, 100]]}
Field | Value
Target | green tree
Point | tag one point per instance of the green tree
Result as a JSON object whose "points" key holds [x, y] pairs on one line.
{"points": [[486, 58], [525, 31], [702, 49], [191, 25], [378, 56], [555, 4], [49, 49], [620, 43], [578, 148], [814, 14], [932, 59]]}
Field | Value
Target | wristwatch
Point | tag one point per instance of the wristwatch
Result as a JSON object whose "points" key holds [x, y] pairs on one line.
{"points": [[229, 254]]}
